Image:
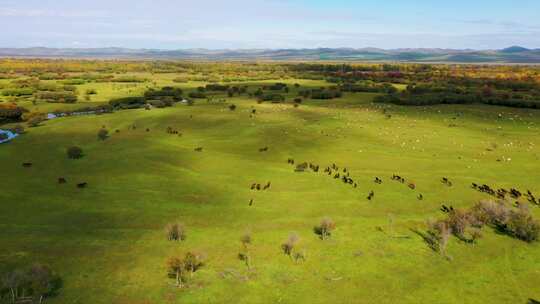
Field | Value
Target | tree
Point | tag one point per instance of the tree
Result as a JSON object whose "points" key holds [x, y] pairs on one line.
{"points": [[103, 134], [179, 266], [245, 255], [13, 281], [74, 152], [192, 262], [175, 232], [288, 246], [175, 267], [325, 228], [42, 281]]}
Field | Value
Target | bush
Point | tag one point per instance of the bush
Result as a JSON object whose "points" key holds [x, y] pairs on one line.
{"points": [[325, 228], [521, 225], [272, 97], [34, 119], [217, 87], [197, 95], [438, 236], [232, 107], [74, 152], [11, 112], [288, 246], [30, 285], [175, 94], [175, 232], [103, 134], [128, 103], [57, 97]]}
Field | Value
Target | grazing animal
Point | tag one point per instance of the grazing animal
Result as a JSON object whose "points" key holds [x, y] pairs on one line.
{"points": [[515, 193], [412, 186], [420, 197], [474, 186], [355, 185], [258, 187], [62, 180], [263, 149], [371, 195], [253, 186], [446, 209], [251, 202], [27, 165], [378, 180], [267, 186], [446, 181], [290, 161], [199, 149], [82, 185]]}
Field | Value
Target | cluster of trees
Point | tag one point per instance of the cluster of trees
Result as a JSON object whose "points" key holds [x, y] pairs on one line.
{"points": [[10, 112], [455, 93], [29, 285], [467, 225], [164, 97], [42, 91], [369, 87], [321, 93]]}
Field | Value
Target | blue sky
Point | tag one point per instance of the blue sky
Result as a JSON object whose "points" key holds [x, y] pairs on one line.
{"points": [[217, 24]]}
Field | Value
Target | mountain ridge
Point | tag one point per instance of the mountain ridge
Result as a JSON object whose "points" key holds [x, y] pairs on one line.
{"points": [[512, 54]]}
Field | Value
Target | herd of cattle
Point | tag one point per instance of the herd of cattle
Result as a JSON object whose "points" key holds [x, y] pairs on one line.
{"points": [[504, 193], [343, 174]]}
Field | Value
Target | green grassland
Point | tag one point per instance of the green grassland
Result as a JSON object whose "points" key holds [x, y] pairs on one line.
{"points": [[108, 243]]}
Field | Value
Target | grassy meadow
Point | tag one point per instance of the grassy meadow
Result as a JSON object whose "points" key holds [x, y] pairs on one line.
{"points": [[108, 244]]}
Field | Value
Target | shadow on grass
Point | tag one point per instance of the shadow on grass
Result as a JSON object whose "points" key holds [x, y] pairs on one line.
{"points": [[428, 238]]}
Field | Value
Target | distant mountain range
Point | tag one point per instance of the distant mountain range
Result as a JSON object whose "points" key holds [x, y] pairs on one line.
{"points": [[514, 54]]}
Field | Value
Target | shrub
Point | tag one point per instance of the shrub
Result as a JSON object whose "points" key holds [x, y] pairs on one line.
{"points": [[197, 95], [34, 119], [325, 228], [173, 93], [175, 232], [57, 96], [438, 236], [491, 213], [74, 152], [175, 267], [288, 246], [32, 284], [11, 112], [103, 134], [244, 255], [232, 107], [128, 103], [522, 225], [193, 262]]}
